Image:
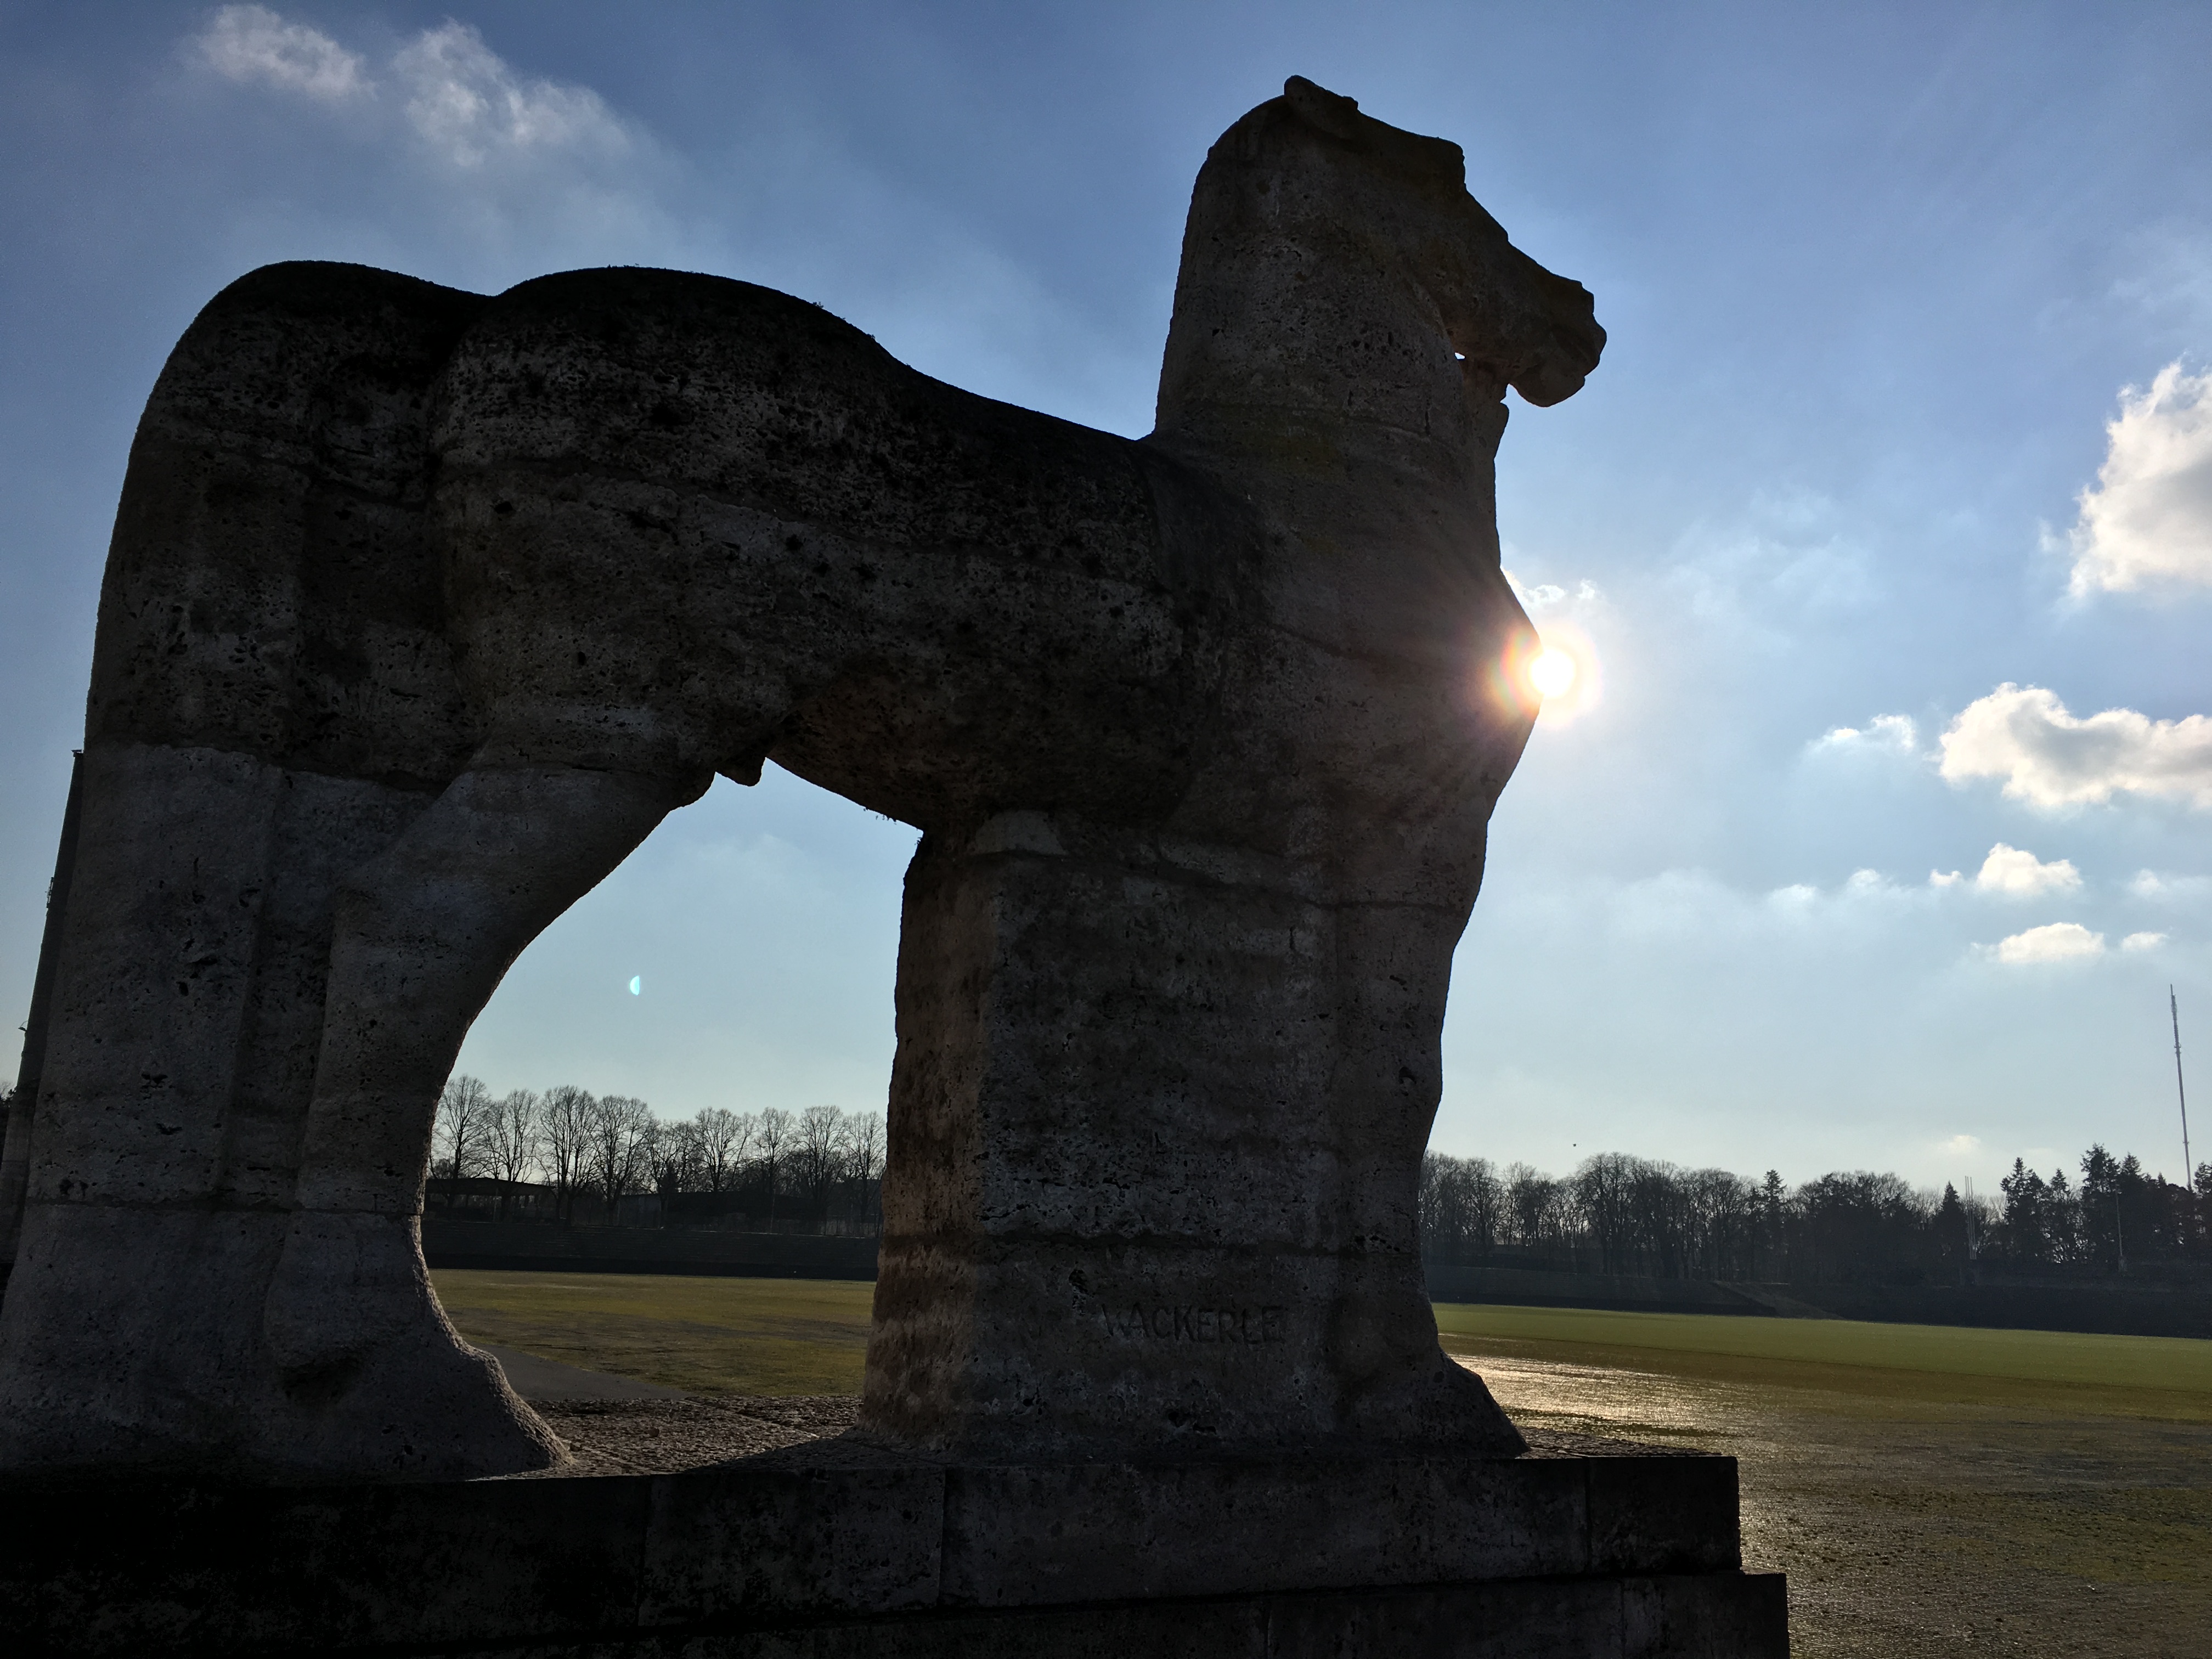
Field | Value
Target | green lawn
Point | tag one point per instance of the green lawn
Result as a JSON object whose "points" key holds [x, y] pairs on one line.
{"points": [[807, 1336]]}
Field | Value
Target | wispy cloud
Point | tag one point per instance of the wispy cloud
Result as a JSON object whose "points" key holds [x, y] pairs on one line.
{"points": [[1784, 564], [2160, 887], [1550, 596], [449, 92], [433, 144], [1863, 896], [2050, 758], [2142, 941], [2147, 522], [468, 103], [434, 152], [252, 44]]}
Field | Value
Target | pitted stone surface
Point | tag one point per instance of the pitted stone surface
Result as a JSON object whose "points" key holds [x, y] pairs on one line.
{"points": [[424, 608]]}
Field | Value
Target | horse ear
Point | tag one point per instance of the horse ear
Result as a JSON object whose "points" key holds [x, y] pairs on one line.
{"points": [[1318, 107]]}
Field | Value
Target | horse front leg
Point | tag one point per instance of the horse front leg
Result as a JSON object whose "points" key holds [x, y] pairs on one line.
{"points": [[381, 1383]]}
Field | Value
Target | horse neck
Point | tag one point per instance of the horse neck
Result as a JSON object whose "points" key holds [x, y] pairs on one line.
{"points": [[1292, 372], [1378, 480]]}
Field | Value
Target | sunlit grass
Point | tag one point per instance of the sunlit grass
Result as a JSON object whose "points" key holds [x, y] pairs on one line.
{"points": [[1929, 1491], [2063, 1371]]}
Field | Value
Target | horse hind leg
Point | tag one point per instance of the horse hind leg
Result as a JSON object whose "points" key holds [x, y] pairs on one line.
{"points": [[379, 1383]]}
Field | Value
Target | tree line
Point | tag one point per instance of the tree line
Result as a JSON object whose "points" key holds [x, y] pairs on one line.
{"points": [[568, 1156], [1622, 1214]]}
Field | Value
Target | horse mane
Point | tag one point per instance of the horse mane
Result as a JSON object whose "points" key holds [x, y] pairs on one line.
{"points": [[1312, 115]]}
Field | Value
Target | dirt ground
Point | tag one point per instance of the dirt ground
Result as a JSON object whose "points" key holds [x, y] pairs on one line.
{"points": [[662, 1436], [1918, 1528]]}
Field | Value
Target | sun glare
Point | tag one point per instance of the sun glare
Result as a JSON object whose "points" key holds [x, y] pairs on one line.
{"points": [[1553, 673], [1557, 679]]}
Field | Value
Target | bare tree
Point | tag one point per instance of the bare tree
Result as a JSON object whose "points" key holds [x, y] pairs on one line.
{"points": [[1600, 1190], [464, 1110], [565, 1117], [1723, 1210], [820, 1135], [618, 1147], [512, 1134], [722, 1137], [1461, 1205], [864, 1155], [771, 1135], [674, 1161], [1532, 1205]]}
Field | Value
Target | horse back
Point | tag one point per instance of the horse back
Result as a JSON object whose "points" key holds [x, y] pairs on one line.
{"points": [[690, 521]]}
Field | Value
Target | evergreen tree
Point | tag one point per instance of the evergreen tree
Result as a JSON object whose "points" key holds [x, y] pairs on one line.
{"points": [[2025, 1235], [1952, 1231]]}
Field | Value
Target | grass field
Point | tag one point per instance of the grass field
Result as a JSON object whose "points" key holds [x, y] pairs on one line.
{"points": [[704, 1335], [1928, 1490]]}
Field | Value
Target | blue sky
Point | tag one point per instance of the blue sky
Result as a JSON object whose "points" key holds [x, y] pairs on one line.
{"points": [[1885, 528]]}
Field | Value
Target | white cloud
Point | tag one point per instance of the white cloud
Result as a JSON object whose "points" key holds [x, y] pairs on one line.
{"points": [[2012, 872], [1891, 734], [469, 104], [463, 101], [2142, 941], [1547, 596], [248, 44], [2049, 758], [1960, 1146], [2019, 874], [2147, 519], [2057, 941]]}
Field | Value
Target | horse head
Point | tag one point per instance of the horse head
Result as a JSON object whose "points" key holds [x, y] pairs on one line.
{"points": [[1335, 269]]}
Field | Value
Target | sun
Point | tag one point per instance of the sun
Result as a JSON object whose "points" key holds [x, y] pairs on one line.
{"points": [[1557, 677], [1551, 673]]}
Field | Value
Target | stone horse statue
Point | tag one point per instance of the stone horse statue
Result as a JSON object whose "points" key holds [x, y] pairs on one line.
{"points": [[424, 608]]}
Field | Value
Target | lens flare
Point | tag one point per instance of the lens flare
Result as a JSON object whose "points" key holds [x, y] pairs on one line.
{"points": [[637, 985], [1556, 678], [1552, 672]]}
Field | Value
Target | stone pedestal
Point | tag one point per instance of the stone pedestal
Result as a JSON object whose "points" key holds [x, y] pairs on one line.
{"points": [[1580, 1548]]}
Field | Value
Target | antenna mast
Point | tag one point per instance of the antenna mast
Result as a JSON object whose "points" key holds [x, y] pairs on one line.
{"points": [[2188, 1169]]}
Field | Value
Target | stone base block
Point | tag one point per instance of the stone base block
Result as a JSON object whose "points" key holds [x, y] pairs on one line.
{"points": [[832, 1549]]}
